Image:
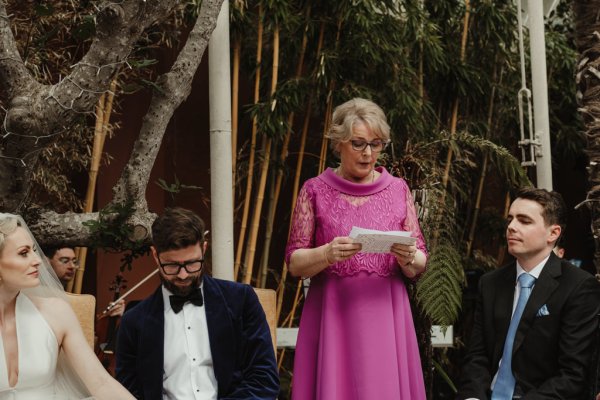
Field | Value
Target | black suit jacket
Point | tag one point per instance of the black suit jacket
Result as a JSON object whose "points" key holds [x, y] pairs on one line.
{"points": [[240, 344], [551, 353]]}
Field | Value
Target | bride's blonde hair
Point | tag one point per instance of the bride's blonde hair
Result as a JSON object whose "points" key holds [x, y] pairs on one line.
{"points": [[8, 224]]}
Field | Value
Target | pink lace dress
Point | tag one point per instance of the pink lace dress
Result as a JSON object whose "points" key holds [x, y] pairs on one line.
{"points": [[357, 339]]}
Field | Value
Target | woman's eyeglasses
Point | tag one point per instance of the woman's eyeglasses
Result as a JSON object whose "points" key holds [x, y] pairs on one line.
{"points": [[377, 145]]}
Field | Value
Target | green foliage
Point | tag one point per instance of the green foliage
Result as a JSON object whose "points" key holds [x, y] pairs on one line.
{"points": [[439, 291], [440, 370], [175, 187], [441, 214], [69, 155], [112, 233]]}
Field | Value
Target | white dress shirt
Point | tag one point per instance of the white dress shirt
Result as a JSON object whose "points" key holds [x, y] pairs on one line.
{"points": [[188, 366], [535, 272]]}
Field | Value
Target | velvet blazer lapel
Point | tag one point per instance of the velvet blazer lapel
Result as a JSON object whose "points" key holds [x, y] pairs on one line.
{"points": [[220, 332], [545, 285], [151, 362]]}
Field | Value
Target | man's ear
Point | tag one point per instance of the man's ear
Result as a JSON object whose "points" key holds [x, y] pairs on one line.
{"points": [[204, 247], [555, 231], [154, 254]]}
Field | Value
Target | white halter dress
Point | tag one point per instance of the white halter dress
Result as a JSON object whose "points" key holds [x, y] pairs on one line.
{"points": [[38, 354]]}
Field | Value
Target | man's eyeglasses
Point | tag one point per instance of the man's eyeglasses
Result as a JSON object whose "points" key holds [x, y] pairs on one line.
{"points": [[173, 268], [377, 145]]}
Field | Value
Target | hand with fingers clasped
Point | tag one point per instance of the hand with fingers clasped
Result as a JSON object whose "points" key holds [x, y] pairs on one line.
{"points": [[405, 254], [341, 249]]}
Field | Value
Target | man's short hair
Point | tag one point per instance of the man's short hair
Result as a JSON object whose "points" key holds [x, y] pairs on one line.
{"points": [[50, 251], [177, 228], [554, 210]]}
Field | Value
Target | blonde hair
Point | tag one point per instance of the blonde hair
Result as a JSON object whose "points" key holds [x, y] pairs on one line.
{"points": [[349, 113], [8, 224]]}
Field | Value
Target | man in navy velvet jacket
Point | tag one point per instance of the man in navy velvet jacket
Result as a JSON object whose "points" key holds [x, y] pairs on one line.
{"points": [[196, 337]]}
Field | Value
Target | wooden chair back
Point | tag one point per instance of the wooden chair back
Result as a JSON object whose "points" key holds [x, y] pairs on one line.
{"points": [[84, 306], [268, 301]]}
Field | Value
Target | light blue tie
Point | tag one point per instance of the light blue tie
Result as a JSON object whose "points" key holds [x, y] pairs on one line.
{"points": [[505, 382]]}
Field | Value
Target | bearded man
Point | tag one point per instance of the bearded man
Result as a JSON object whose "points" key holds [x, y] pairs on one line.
{"points": [[196, 337]]}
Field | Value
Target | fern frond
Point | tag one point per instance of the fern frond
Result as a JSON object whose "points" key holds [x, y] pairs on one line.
{"points": [[439, 291]]}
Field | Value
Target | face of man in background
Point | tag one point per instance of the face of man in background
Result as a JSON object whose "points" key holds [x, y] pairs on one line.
{"points": [[65, 264], [559, 251]]}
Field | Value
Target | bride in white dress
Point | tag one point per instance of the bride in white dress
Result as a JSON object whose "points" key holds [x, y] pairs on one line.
{"points": [[41, 340]]}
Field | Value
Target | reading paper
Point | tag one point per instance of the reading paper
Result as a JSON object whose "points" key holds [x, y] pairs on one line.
{"points": [[374, 241]]}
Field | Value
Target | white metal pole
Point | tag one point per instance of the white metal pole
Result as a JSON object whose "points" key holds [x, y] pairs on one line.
{"points": [[219, 89], [539, 86]]}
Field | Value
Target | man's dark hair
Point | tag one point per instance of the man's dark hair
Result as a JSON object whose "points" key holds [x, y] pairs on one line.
{"points": [[50, 251], [554, 210], [177, 228]]}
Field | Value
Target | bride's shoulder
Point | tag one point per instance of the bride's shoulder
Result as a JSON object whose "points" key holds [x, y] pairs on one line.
{"points": [[49, 304], [55, 310]]}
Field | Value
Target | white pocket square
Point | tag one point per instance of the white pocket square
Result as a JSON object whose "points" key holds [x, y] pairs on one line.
{"points": [[543, 311]]}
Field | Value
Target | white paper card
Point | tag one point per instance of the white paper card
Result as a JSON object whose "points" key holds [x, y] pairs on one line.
{"points": [[374, 241]]}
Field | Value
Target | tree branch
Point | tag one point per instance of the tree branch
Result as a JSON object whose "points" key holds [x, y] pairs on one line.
{"points": [[70, 225], [52, 107], [37, 111], [73, 232], [13, 73], [175, 88]]}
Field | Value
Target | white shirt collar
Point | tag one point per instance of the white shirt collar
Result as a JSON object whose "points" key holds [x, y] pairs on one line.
{"points": [[166, 293], [536, 271]]}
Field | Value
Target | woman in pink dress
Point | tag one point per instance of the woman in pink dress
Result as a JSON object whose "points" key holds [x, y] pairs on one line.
{"points": [[357, 339]]}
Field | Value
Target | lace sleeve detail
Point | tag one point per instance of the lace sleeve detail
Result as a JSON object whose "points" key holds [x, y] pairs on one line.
{"points": [[302, 231], [411, 223]]}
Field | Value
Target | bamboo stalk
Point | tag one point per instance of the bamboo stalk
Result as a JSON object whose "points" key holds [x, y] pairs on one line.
{"points": [[332, 83], [502, 248], [324, 141], [295, 305], [251, 249], [250, 252], [103, 112], [290, 318], [281, 287], [274, 200], [321, 168], [477, 204], [454, 117], [482, 176], [305, 127], [299, 161], [244, 223], [264, 259]]}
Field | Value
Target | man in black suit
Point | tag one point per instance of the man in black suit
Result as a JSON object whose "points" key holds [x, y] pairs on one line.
{"points": [[196, 337], [552, 344]]}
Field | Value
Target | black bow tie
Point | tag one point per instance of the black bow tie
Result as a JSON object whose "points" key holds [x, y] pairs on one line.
{"points": [[177, 302]]}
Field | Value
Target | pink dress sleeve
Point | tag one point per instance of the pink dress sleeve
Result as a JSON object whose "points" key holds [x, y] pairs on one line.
{"points": [[411, 223], [302, 231]]}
